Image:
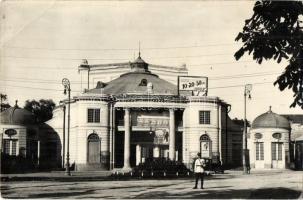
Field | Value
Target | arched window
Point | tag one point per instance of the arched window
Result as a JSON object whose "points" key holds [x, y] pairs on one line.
{"points": [[204, 137], [143, 82], [205, 146], [93, 137]]}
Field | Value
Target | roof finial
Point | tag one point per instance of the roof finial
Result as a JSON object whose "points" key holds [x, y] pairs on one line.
{"points": [[16, 103], [139, 50], [269, 109]]}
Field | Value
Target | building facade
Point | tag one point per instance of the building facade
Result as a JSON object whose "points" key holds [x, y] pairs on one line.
{"points": [[296, 140], [268, 141], [140, 116]]}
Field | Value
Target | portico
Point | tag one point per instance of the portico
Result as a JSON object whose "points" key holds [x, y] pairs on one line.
{"points": [[148, 133]]}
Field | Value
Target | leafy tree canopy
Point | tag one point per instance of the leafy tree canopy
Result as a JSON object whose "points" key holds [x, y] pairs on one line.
{"points": [[43, 109], [275, 31], [3, 105]]}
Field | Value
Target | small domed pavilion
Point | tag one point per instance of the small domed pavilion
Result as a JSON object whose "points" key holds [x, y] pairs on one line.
{"points": [[268, 141]]}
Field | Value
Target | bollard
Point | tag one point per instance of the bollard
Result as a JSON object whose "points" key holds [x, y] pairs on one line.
{"points": [[164, 173], [152, 173], [177, 173]]}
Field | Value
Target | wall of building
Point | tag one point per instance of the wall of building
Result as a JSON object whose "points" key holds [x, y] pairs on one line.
{"points": [[267, 138], [80, 130], [193, 130]]}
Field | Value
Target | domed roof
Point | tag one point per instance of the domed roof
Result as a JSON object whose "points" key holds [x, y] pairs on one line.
{"points": [[270, 120], [136, 82], [17, 116]]}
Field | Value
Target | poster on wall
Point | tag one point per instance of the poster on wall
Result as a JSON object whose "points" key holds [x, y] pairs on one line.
{"points": [[205, 149], [198, 85]]}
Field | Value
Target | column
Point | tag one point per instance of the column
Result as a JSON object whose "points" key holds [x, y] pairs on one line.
{"points": [[126, 139], [156, 152], [38, 153], [172, 132], [138, 154]]}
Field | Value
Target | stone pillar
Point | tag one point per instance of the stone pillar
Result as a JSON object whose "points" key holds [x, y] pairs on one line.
{"points": [[38, 153], [156, 152], [126, 139], [138, 154], [172, 133]]}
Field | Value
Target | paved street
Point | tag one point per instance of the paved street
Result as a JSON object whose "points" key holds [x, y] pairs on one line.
{"points": [[259, 184]]}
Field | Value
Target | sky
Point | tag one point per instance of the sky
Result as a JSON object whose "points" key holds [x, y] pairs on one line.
{"points": [[42, 42]]}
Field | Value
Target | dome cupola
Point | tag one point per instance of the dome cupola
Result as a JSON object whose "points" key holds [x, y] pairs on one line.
{"points": [[270, 120], [139, 65], [17, 116]]}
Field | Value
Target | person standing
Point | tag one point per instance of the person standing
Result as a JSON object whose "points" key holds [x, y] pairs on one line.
{"points": [[199, 165]]}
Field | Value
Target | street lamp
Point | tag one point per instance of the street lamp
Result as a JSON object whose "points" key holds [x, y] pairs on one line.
{"points": [[247, 90], [66, 84]]}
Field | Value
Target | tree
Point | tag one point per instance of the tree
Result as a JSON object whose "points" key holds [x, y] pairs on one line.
{"points": [[3, 106], [275, 32], [43, 109]]}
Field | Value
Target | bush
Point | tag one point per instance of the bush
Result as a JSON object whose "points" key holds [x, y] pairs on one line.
{"points": [[16, 164], [160, 167]]}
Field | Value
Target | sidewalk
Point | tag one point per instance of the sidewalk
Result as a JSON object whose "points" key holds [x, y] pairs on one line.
{"points": [[106, 175], [58, 176]]}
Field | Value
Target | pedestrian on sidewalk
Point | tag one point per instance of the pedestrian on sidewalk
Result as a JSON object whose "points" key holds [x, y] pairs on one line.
{"points": [[199, 165]]}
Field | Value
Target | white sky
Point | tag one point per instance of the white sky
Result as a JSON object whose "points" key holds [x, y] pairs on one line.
{"points": [[43, 42]]}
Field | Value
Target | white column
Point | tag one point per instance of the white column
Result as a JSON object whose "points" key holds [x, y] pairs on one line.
{"points": [[138, 154], [156, 152], [126, 139], [172, 132], [38, 153]]}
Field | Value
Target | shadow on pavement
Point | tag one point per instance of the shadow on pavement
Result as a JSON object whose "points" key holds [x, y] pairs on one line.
{"points": [[61, 194], [266, 193]]}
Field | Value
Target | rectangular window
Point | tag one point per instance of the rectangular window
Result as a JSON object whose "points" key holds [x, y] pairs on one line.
{"points": [[204, 117], [279, 151], [6, 144], [93, 115], [276, 150], [259, 151], [14, 147], [273, 151], [10, 147]]}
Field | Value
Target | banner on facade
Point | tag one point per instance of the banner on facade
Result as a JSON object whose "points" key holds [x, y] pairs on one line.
{"points": [[198, 85]]}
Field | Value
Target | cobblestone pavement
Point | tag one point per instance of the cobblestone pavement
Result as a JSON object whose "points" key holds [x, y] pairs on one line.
{"points": [[259, 184]]}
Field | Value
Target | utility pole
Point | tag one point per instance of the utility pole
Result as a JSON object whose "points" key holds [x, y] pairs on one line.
{"points": [[247, 90], [66, 84]]}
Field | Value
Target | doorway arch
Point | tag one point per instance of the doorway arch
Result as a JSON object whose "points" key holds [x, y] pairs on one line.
{"points": [[93, 149]]}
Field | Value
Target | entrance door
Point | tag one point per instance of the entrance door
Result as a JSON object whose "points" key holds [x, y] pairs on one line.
{"points": [[93, 149]]}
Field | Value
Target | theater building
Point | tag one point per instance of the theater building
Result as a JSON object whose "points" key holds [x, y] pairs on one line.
{"points": [[138, 115]]}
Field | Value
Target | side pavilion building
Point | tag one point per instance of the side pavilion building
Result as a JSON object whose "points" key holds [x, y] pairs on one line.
{"points": [[138, 117]]}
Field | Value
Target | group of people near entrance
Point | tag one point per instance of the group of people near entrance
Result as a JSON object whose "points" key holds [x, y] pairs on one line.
{"points": [[199, 168]]}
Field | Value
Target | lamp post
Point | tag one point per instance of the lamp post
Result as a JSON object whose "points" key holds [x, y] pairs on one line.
{"points": [[66, 84], [63, 137], [247, 90]]}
